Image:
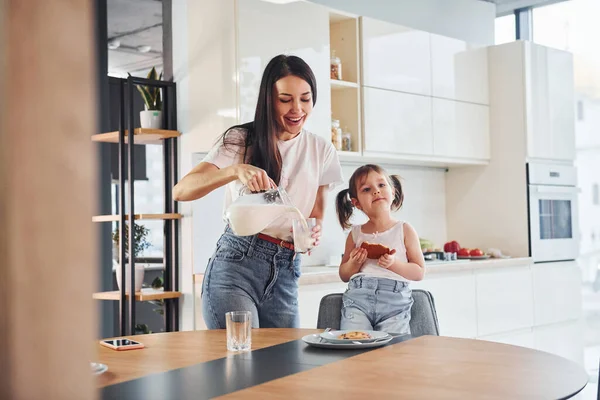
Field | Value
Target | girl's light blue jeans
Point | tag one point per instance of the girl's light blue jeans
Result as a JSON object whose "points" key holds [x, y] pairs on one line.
{"points": [[246, 273], [377, 304]]}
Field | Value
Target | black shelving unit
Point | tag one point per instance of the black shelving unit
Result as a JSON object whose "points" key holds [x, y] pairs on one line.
{"points": [[127, 137]]}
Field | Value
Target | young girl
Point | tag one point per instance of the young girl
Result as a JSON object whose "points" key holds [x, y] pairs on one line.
{"points": [[378, 296]]}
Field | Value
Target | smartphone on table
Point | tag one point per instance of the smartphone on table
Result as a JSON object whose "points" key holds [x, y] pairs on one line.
{"points": [[121, 344]]}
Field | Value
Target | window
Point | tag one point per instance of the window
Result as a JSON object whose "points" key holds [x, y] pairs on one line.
{"points": [[555, 219], [505, 30]]}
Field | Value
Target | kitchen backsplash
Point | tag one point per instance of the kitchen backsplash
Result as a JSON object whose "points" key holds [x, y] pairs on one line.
{"points": [[424, 207]]}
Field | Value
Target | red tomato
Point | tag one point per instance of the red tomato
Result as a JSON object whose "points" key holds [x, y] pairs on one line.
{"points": [[464, 252], [476, 253]]}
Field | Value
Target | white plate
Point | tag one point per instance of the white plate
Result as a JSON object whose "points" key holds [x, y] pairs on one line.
{"points": [[483, 257], [98, 368], [332, 336], [316, 341]]}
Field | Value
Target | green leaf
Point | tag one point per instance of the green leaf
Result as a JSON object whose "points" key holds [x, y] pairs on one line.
{"points": [[158, 101], [147, 96], [157, 283], [152, 74]]}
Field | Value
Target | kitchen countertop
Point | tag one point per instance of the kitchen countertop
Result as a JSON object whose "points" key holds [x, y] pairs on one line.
{"points": [[312, 275], [319, 274]]}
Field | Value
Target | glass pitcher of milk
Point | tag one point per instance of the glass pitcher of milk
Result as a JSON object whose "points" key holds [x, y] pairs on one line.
{"points": [[252, 212]]}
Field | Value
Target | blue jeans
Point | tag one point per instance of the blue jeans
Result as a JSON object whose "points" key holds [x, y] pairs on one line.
{"points": [[250, 274], [377, 304]]}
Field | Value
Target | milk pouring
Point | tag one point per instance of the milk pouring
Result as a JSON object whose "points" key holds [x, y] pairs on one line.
{"points": [[252, 213]]}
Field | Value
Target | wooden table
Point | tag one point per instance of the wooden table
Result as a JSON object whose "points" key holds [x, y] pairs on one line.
{"points": [[425, 367]]}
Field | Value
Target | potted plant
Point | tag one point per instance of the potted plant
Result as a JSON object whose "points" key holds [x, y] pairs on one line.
{"points": [[151, 117], [141, 243]]}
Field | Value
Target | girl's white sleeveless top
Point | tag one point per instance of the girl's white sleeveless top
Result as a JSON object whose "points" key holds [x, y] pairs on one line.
{"points": [[392, 238]]}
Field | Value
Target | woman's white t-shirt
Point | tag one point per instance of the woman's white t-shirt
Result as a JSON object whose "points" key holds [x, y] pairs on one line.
{"points": [[309, 161], [392, 238]]}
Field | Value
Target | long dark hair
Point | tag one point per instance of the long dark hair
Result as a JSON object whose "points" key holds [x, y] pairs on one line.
{"points": [[343, 201], [260, 145]]}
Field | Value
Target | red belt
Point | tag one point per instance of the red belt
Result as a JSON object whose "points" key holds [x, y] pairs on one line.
{"points": [[279, 242]]}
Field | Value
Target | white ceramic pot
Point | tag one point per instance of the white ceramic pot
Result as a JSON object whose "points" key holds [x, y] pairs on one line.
{"points": [[139, 276], [151, 119]]}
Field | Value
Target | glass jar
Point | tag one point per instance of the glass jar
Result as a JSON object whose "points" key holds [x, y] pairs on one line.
{"points": [[346, 141], [336, 134], [336, 67]]}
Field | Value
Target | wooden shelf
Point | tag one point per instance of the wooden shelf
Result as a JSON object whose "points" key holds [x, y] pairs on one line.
{"points": [[141, 136], [338, 85], [146, 294], [115, 218]]}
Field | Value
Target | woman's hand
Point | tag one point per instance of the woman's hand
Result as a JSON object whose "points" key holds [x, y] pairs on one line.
{"points": [[358, 256], [316, 234], [256, 179], [387, 260]]}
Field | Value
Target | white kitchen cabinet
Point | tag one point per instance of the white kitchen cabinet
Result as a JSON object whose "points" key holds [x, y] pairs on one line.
{"points": [[455, 300], [556, 292], [264, 31], [504, 300], [458, 70], [397, 123], [395, 57], [532, 95], [309, 298], [460, 129], [552, 103]]}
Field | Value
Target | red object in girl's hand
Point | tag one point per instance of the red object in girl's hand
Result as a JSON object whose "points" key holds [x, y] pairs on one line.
{"points": [[374, 250]]}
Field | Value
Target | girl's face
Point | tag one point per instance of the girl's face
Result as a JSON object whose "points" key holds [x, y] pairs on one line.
{"points": [[293, 103], [375, 195]]}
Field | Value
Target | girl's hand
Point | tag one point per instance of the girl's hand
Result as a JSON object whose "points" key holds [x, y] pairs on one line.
{"points": [[387, 260], [254, 178], [358, 256]]}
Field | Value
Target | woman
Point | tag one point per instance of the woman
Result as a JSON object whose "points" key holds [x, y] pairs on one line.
{"points": [[260, 273]]}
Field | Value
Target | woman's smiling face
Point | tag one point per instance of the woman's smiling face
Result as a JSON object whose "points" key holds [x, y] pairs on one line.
{"points": [[293, 104]]}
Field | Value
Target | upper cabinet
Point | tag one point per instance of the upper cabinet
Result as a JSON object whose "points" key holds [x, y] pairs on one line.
{"points": [[345, 83], [461, 130], [397, 123], [264, 31], [532, 92], [395, 57], [458, 70], [550, 99], [387, 90]]}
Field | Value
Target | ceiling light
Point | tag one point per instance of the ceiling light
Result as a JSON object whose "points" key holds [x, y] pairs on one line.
{"points": [[143, 49]]}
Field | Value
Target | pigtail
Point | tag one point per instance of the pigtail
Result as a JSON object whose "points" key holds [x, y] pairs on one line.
{"points": [[398, 193], [344, 208]]}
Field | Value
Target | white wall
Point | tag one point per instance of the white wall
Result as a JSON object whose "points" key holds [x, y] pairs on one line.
{"points": [[424, 207], [469, 20]]}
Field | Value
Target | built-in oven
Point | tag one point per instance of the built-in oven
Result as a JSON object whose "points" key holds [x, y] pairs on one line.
{"points": [[553, 212]]}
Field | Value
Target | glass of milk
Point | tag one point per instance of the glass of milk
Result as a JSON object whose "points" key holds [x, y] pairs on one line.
{"points": [[302, 230]]}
